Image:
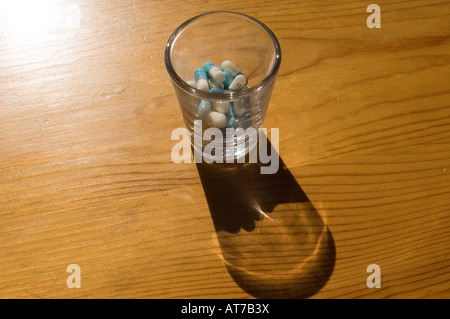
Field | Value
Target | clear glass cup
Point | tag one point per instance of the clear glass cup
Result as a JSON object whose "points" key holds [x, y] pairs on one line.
{"points": [[215, 37]]}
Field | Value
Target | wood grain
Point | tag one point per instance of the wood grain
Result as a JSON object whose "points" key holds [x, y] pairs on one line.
{"points": [[86, 177]]}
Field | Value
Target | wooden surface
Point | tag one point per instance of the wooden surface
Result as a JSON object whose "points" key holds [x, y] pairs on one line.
{"points": [[86, 177]]}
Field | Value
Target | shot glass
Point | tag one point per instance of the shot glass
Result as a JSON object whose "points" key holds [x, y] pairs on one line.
{"points": [[216, 37]]}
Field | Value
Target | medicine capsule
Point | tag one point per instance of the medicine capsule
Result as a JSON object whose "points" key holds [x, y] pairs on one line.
{"points": [[216, 119], [191, 83], [228, 79], [230, 67], [214, 84], [232, 122], [204, 108], [238, 83], [230, 107], [221, 107], [214, 72], [202, 85], [201, 79], [216, 90], [200, 73]]}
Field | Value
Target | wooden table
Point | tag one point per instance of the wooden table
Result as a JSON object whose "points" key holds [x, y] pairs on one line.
{"points": [[87, 179]]}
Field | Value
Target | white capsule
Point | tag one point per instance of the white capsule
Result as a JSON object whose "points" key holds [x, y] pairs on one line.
{"points": [[238, 83], [214, 72], [221, 107], [217, 74], [191, 83], [214, 84], [216, 119], [202, 84], [230, 67]]}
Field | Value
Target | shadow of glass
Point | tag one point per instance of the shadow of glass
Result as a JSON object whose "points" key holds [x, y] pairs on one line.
{"points": [[273, 241]]}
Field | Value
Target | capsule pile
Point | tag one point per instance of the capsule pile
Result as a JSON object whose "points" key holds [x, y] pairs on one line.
{"points": [[221, 79]]}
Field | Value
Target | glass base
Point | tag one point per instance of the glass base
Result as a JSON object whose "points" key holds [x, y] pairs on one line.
{"points": [[239, 148]]}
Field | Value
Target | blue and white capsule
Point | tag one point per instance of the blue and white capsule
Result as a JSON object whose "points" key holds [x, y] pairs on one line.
{"points": [[230, 67], [228, 79], [214, 84], [239, 82], [216, 90], [219, 106], [201, 79], [214, 72]]}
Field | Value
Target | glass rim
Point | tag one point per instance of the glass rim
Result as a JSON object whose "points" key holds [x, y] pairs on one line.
{"points": [[207, 95]]}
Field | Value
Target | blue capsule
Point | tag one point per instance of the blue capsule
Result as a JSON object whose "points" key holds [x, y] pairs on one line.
{"points": [[208, 66], [232, 122], [200, 73], [216, 90], [231, 107], [204, 108]]}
